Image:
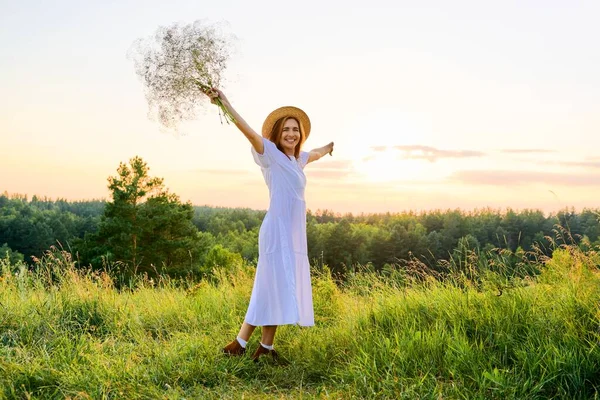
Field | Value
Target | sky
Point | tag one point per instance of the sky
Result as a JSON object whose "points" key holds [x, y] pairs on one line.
{"points": [[430, 104]]}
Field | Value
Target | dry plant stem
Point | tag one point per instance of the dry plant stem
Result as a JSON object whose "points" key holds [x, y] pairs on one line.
{"points": [[228, 115]]}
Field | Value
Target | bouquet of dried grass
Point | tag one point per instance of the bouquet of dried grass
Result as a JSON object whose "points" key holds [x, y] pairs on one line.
{"points": [[178, 65]]}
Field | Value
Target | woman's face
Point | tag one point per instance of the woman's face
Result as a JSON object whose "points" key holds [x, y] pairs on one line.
{"points": [[290, 136]]}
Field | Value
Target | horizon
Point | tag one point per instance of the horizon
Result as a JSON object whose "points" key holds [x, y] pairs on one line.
{"points": [[335, 213], [431, 106]]}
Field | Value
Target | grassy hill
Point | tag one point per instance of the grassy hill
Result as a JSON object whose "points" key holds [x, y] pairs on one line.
{"points": [[71, 334]]}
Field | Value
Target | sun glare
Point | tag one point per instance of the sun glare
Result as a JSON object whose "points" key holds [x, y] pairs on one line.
{"points": [[390, 166], [377, 134], [383, 166]]}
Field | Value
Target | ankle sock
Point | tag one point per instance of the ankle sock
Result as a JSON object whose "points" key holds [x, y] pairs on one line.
{"points": [[266, 346], [242, 342]]}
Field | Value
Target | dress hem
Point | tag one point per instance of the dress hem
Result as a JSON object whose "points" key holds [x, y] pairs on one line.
{"points": [[279, 323]]}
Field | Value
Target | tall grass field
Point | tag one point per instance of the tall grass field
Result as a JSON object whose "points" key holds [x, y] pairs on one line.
{"points": [[68, 333]]}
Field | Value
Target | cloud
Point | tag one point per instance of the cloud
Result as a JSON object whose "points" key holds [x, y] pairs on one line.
{"points": [[527, 151], [575, 164], [226, 172], [518, 178], [328, 173], [420, 152], [326, 169], [369, 158], [337, 184], [583, 164], [335, 164], [432, 154]]}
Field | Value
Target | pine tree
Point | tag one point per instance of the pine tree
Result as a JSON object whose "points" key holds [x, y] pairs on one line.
{"points": [[145, 227]]}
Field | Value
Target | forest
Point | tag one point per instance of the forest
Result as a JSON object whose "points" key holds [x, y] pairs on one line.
{"points": [[144, 229]]}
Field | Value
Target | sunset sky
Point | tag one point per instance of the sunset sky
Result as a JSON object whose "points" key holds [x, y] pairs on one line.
{"points": [[431, 104]]}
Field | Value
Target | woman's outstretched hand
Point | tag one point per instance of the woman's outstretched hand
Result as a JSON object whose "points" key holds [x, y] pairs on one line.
{"points": [[316, 154], [218, 98], [214, 94]]}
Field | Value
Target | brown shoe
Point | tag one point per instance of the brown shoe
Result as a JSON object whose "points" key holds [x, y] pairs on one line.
{"points": [[234, 349], [261, 350]]}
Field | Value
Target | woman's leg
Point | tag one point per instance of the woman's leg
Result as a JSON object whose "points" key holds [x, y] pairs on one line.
{"points": [[238, 346], [246, 331], [268, 334]]}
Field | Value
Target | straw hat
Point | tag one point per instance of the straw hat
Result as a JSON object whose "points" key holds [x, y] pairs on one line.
{"points": [[287, 111]]}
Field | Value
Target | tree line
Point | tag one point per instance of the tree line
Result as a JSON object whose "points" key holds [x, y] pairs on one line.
{"points": [[145, 229]]}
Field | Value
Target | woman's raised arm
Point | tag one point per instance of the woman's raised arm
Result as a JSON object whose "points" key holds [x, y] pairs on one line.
{"points": [[316, 154], [255, 139]]}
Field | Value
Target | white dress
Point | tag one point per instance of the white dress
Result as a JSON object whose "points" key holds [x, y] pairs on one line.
{"points": [[282, 290]]}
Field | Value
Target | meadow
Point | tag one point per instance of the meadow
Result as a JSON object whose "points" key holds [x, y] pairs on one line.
{"points": [[70, 333]]}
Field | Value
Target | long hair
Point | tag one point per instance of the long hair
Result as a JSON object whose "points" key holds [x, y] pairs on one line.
{"points": [[277, 131]]}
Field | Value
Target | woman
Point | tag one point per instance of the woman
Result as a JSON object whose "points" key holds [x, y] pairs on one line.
{"points": [[281, 293]]}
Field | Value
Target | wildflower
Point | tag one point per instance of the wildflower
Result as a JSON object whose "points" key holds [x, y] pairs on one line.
{"points": [[178, 65]]}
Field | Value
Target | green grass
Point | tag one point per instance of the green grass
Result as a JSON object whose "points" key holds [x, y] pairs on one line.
{"points": [[70, 334]]}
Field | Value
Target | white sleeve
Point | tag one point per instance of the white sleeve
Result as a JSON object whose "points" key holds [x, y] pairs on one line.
{"points": [[303, 159], [265, 159]]}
